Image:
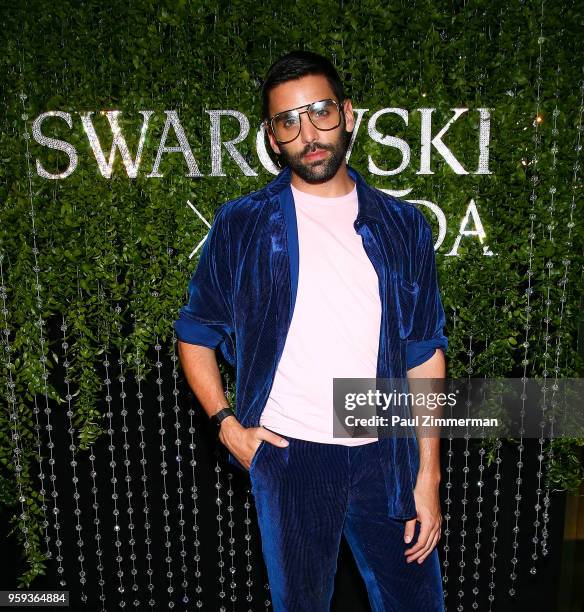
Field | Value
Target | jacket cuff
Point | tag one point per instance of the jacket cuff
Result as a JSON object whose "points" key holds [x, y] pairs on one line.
{"points": [[420, 351], [194, 332]]}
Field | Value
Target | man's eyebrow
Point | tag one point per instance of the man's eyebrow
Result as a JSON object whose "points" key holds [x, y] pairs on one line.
{"points": [[298, 107]]}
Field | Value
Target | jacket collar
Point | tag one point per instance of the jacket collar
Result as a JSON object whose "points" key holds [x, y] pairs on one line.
{"points": [[367, 196]]}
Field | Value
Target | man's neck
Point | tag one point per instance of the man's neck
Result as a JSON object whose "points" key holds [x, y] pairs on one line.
{"points": [[341, 184]]}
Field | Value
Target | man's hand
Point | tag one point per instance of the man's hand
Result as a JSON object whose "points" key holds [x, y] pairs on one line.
{"points": [[243, 442], [426, 496]]}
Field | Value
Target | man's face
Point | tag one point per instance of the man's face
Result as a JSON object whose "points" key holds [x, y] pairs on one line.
{"points": [[328, 147]]}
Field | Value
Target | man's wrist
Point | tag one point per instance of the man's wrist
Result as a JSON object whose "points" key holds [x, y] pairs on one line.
{"points": [[429, 476], [223, 414], [228, 422]]}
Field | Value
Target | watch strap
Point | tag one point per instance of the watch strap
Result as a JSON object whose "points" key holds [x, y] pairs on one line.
{"points": [[222, 414]]}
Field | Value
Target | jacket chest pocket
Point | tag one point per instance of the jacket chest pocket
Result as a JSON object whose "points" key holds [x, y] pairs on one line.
{"points": [[406, 296]]}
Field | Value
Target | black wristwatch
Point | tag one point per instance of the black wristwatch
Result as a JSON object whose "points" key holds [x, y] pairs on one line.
{"points": [[218, 417]]}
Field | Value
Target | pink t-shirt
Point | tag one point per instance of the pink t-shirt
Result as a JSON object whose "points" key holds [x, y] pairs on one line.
{"points": [[335, 325]]}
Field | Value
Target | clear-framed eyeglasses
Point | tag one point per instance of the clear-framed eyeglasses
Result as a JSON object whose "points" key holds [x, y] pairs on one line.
{"points": [[324, 115]]}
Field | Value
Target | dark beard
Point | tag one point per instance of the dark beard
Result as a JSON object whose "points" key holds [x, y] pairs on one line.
{"points": [[321, 170]]}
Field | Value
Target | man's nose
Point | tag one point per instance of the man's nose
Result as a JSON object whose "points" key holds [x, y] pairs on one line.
{"points": [[308, 133]]}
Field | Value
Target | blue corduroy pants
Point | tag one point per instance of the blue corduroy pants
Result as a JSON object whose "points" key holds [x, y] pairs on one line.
{"points": [[307, 495]]}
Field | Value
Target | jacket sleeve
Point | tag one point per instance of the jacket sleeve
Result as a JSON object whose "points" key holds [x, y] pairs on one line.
{"points": [[429, 317], [207, 318]]}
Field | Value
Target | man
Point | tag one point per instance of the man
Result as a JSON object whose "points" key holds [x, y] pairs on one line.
{"points": [[314, 277]]}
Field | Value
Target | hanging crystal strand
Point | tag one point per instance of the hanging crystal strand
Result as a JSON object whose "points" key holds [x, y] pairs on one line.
{"points": [[95, 491], [447, 515], [129, 494], [194, 497], [479, 515], [43, 358], [45, 524], [495, 524], [448, 500], [220, 549], [546, 336], [179, 473], [519, 464], [112, 464], [464, 501], [164, 472], [73, 462], [231, 524], [496, 493], [268, 600], [36, 409], [547, 319], [247, 536], [97, 522], [478, 529], [195, 511], [518, 481], [13, 411], [248, 552], [532, 217], [144, 478]]}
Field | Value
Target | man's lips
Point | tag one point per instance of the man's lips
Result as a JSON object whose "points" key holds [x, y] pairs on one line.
{"points": [[315, 154]]}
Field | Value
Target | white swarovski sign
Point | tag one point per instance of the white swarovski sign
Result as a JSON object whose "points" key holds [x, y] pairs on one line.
{"points": [[430, 139]]}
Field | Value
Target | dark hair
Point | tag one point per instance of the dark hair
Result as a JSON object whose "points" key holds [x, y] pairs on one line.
{"points": [[295, 65]]}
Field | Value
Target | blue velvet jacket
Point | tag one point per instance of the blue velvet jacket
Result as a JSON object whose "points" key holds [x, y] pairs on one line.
{"points": [[242, 296]]}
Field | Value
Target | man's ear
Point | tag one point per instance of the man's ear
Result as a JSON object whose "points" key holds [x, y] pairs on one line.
{"points": [[349, 116], [272, 140]]}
